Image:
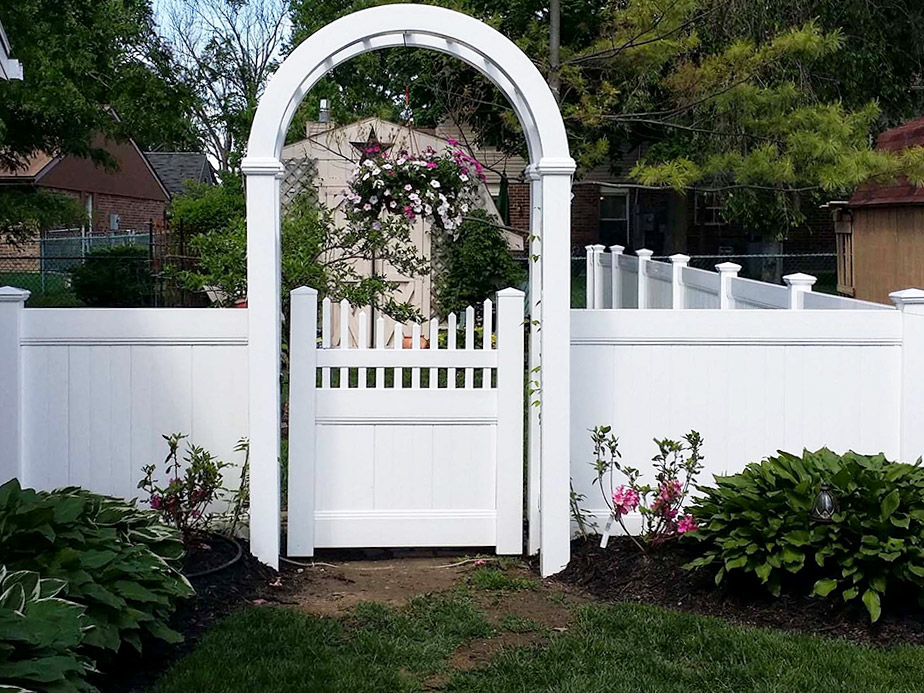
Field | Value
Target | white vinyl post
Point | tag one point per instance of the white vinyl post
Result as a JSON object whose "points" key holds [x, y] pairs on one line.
{"points": [[727, 272], [598, 275], [303, 359], [509, 421], [616, 276], [556, 357], [678, 295], [589, 277], [535, 372], [911, 303], [644, 256], [799, 284], [12, 301], [263, 351]]}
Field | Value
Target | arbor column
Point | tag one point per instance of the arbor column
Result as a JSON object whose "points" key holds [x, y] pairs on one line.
{"points": [[534, 455], [264, 333], [555, 343]]}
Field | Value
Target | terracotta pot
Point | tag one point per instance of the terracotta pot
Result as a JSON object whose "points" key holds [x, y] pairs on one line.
{"points": [[408, 342]]}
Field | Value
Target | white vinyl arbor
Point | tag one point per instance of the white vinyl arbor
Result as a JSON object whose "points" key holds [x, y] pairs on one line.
{"points": [[550, 172]]}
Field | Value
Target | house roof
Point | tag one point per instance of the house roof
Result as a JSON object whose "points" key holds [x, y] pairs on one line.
{"points": [[899, 191], [175, 169]]}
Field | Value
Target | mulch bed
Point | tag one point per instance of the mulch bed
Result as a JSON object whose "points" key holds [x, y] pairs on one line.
{"points": [[620, 573], [217, 595]]}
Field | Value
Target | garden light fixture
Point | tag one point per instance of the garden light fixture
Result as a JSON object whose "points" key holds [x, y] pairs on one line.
{"points": [[825, 504]]}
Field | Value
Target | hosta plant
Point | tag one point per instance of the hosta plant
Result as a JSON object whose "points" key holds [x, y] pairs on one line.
{"points": [[760, 522], [116, 559], [40, 635]]}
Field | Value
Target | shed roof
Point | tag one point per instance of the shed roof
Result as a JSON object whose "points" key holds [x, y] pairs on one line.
{"points": [[899, 191], [175, 169]]}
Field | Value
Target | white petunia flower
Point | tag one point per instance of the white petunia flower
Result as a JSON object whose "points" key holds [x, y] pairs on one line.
{"points": [[434, 183]]}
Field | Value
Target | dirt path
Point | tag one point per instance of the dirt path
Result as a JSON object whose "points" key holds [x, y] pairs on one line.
{"points": [[521, 608]]}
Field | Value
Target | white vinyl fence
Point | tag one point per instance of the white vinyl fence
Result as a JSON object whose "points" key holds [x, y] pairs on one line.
{"points": [[617, 280], [412, 445], [824, 371], [86, 394]]}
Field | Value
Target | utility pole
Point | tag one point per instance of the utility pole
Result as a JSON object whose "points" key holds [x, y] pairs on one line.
{"points": [[554, 48]]}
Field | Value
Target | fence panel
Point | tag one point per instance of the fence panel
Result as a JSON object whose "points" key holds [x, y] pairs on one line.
{"points": [[751, 383], [102, 386], [420, 444]]}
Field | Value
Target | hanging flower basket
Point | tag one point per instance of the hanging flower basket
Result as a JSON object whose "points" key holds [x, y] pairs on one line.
{"points": [[440, 187]]}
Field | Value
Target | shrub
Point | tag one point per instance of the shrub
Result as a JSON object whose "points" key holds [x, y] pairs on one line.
{"points": [[759, 522], [116, 277], [676, 466], [40, 635], [475, 265], [116, 559], [183, 499]]}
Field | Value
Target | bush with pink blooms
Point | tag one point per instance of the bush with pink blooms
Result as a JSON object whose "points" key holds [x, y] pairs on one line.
{"points": [[660, 505], [189, 487]]}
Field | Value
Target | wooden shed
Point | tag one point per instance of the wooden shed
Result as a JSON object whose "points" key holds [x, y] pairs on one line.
{"points": [[880, 231]]}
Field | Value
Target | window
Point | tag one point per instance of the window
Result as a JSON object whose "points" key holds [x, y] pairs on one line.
{"points": [[614, 218], [708, 209]]}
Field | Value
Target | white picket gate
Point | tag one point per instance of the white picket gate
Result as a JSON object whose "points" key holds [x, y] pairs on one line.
{"points": [[405, 447]]}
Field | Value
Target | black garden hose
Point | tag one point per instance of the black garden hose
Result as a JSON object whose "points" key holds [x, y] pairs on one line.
{"points": [[227, 564]]}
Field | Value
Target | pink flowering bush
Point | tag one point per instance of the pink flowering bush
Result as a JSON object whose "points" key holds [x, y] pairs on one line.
{"points": [[441, 187], [675, 467], [189, 487]]}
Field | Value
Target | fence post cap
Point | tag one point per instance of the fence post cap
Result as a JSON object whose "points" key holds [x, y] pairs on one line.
{"points": [[800, 279], [598, 247], [617, 249], [728, 267], [10, 294], [907, 297], [304, 291], [644, 253], [679, 258], [510, 292]]}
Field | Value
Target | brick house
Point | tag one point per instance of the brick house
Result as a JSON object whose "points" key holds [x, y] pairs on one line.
{"points": [[127, 197]]}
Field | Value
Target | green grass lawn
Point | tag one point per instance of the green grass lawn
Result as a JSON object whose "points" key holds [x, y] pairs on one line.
{"points": [[609, 649]]}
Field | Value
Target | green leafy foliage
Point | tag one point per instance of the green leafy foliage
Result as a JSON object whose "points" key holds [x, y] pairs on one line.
{"points": [[25, 212], [759, 522], [115, 277], [475, 265], [316, 252], [40, 635], [116, 559]]}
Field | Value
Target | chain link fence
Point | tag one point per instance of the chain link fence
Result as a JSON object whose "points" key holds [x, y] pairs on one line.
{"points": [[71, 268]]}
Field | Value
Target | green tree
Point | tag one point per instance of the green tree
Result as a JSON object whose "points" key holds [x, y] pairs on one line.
{"points": [[475, 265], [82, 58], [316, 252]]}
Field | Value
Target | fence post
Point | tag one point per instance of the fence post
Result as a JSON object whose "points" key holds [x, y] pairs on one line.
{"points": [[598, 275], [616, 276], [799, 284], [303, 345], [911, 436], [509, 490], [12, 301], [643, 258], [589, 280], [679, 261], [727, 272]]}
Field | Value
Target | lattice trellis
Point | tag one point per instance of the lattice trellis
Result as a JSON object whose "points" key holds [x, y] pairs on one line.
{"points": [[299, 177]]}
